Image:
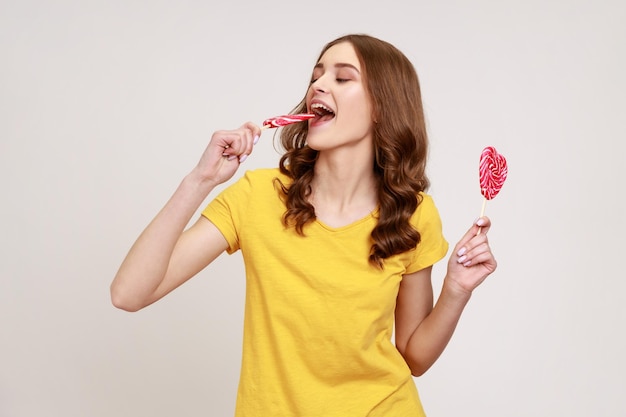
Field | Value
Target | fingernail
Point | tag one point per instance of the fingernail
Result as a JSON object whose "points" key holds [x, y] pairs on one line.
{"points": [[461, 252], [462, 259], [243, 158], [468, 263], [256, 139], [232, 157], [480, 222]]}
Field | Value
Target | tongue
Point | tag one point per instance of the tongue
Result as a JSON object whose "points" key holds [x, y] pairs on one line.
{"points": [[325, 117]]}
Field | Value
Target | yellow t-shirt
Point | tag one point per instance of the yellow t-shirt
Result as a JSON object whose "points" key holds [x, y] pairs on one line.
{"points": [[318, 317]]}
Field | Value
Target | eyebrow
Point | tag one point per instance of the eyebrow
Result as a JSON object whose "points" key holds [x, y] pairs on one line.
{"points": [[339, 65]]}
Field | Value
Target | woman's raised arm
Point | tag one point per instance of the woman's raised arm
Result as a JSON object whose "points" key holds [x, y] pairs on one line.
{"points": [[166, 255]]}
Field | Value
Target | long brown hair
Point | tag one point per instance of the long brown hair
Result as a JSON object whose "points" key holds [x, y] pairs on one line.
{"points": [[400, 149]]}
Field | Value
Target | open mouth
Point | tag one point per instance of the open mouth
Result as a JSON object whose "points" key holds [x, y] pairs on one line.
{"points": [[322, 113]]}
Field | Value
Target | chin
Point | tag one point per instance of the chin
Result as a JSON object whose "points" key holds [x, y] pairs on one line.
{"points": [[316, 147], [315, 142]]}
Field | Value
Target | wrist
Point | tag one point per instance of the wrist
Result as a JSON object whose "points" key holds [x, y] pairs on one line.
{"points": [[198, 180], [198, 183], [453, 291]]}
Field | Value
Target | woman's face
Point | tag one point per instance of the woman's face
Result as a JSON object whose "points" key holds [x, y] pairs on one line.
{"points": [[339, 99]]}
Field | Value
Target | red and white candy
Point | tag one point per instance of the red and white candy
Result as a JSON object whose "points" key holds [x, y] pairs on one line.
{"points": [[493, 171], [280, 121]]}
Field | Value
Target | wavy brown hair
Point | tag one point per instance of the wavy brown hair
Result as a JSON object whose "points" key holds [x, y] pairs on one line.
{"points": [[400, 149]]}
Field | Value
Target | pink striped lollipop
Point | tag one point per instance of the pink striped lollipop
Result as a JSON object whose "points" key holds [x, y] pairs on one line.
{"points": [[492, 171], [280, 121]]}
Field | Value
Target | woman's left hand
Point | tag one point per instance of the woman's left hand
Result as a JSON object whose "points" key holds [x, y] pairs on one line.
{"points": [[472, 260]]}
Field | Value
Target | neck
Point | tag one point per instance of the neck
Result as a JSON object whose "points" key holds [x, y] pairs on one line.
{"points": [[344, 183]]}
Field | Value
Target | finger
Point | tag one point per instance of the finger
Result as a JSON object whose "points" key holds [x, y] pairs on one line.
{"points": [[254, 128], [483, 224], [226, 139], [485, 259], [233, 143], [247, 143], [466, 244], [474, 250], [240, 147], [251, 134], [239, 143]]}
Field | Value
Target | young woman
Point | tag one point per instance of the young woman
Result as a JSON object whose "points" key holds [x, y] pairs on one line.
{"points": [[338, 244]]}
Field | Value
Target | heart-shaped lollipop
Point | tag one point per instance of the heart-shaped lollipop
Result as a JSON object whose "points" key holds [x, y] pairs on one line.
{"points": [[493, 171]]}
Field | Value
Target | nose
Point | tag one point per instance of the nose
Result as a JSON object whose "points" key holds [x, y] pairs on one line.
{"points": [[319, 85]]}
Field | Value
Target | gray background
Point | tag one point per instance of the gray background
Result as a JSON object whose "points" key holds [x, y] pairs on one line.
{"points": [[106, 105]]}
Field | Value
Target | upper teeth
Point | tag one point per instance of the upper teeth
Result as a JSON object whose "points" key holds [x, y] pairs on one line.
{"points": [[315, 106]]}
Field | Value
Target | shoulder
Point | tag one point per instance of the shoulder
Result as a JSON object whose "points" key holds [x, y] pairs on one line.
{"points": [[263, 176], [256, 184], [427, 220], [426, 208], [433, 245]]}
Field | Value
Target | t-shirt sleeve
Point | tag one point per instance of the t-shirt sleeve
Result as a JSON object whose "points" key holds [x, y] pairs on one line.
{"points": [[433, 246], [225, 211]]}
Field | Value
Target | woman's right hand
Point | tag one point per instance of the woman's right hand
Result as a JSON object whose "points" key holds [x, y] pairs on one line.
{"points": [[226, 150]]}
